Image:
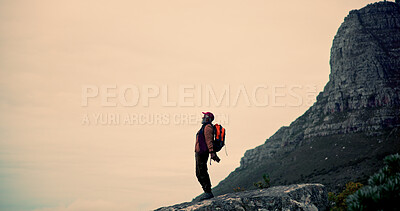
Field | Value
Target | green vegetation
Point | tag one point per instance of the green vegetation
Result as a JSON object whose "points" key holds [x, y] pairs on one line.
{"points": [[265, 184], [383, 190], [340, 199]]}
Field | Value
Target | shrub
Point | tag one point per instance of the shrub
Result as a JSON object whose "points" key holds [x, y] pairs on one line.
{"points": [[266, 183], [340, 199], [383, 190], [239, 189]]}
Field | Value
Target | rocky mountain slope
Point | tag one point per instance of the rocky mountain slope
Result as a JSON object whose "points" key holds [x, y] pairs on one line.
{"points": [[294, 197], [355, 120]]}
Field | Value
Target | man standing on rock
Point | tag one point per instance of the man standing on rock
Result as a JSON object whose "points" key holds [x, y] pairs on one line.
{"points": [[203, 148]]}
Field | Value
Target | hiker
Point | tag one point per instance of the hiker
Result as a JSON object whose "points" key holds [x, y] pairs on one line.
{"points": [[203, 148]]}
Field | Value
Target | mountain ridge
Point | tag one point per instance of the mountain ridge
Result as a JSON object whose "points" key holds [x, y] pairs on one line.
{"points": [[354, 122]]}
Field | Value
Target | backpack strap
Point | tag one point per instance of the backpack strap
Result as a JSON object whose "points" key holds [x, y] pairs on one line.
{"points": [[225, 149]]}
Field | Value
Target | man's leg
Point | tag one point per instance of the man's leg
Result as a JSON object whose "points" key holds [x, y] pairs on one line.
{"points": [[201, 172]]}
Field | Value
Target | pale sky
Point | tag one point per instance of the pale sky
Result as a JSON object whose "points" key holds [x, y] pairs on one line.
{"points": [[171, 51]]}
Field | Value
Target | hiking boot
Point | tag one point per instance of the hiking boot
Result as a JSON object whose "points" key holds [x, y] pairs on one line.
{"points": [[206, 196]]}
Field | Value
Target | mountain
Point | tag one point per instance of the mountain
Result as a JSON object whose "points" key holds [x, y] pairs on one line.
{"points": [[355, 121]]}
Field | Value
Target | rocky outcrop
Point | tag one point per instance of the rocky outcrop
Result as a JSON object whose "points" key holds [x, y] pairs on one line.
{"points": [[294, 197], [353, 123], [365, 74], [363, 93]]}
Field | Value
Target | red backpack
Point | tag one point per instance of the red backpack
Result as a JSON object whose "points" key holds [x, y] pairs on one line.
{"points": [[219, 137]]}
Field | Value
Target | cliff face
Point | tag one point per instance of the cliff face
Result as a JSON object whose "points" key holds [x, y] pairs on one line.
{"points": [[365, 74], [354, 123]]}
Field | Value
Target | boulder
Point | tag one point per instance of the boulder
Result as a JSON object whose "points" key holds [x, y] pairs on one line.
{"points": [[291, 197]]}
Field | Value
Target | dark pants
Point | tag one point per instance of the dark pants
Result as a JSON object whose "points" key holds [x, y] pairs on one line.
{"points": [[201, 171]]}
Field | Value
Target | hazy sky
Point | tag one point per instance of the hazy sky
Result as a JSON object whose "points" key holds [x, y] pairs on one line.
{"points": [[57, 153]]}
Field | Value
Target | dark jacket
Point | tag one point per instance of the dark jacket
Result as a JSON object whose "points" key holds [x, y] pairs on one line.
{"points": [[204, 139]]}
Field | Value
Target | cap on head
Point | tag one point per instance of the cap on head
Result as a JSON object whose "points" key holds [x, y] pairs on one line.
{"points": [[209, 114]]}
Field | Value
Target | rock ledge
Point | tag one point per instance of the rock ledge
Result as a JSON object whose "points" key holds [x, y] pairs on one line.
{"points": [[292, 197]]}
